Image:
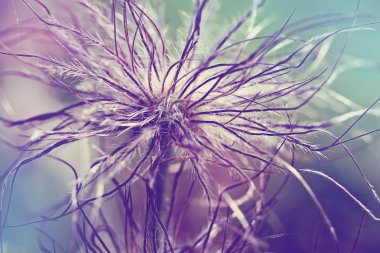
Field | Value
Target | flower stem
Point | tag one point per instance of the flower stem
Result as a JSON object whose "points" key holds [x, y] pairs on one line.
{"points": [[159, 188]]}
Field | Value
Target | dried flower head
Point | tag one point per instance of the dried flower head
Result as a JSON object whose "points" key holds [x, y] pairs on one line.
{"points": [[197, 128]]}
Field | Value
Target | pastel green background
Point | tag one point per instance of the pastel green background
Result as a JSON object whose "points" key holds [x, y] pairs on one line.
{"points": [[361, 85]]}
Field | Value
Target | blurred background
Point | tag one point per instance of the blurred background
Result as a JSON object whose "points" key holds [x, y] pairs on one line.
{"points": [[39, 185]]}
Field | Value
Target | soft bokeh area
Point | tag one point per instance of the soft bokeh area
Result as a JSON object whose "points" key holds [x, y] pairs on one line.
{"points": [[40, 185]]}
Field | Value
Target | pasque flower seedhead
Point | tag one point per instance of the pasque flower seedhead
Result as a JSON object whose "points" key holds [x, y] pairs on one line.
{"points": [[186, 134]]}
